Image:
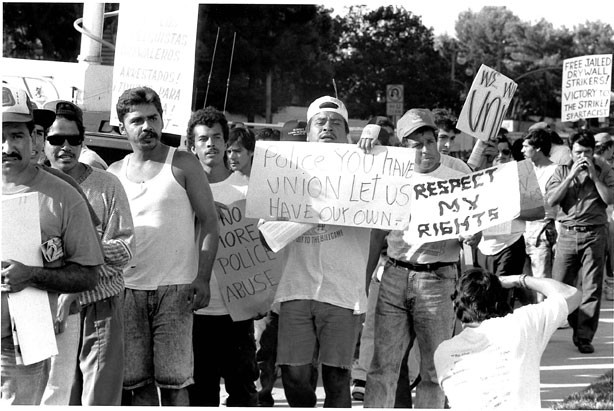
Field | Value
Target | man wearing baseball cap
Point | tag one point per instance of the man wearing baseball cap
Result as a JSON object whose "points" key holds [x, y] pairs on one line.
{"points": [[418, 280], [322, 290], [70, 245]]}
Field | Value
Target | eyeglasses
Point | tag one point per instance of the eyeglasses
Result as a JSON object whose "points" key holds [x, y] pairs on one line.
{"points": [[58, 139]]}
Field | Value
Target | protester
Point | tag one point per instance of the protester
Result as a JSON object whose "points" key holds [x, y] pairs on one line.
{"points": [[540, 235], [502, 250], [388, 126], [240, 152], [99, 356], [560, 153], [408, 374], [43, 119], [321, 295], [231, 353], [604, 150], [583, 189], [70, 245], [418, 279], [494, 362], [169, 276]]}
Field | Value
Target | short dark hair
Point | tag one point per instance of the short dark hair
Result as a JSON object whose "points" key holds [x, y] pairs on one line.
{"points": [[208, 116], [243, 136], [479, 296], [381, 121], [134, 97], [445, 120], [583, 137], [540, 138], [603, 147], [267, 134]]}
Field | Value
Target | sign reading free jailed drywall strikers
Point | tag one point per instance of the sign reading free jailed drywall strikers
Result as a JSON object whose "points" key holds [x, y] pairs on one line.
{"points": [[324, 183], [586, 87], [445, 209], [486, 104]]}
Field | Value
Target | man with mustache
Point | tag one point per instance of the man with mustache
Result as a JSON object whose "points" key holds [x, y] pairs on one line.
{"points": [[169, 275], [71, 249], [98, 330], [322, 290], [418, 280]]}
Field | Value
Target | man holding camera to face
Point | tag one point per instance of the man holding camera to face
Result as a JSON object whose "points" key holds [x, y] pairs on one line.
{"points": [[583, 189]]}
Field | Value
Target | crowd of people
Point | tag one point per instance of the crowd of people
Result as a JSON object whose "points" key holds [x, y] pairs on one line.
{"points": [[140, 319]]}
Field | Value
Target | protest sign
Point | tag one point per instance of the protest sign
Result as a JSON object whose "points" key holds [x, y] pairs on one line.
{"points": [[246, 272], [444, 209], [158, 54], [325, 183], [486, 104], [586, 87], [29, 309]]}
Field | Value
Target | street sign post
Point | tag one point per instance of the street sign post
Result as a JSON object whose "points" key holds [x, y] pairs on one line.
{"points": [[394, 100]]}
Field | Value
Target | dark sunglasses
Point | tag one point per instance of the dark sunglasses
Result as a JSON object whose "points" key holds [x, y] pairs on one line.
{"points": [[58, 139]]}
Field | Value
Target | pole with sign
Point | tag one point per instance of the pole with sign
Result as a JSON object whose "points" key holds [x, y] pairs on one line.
{"points": [[394, 100]]}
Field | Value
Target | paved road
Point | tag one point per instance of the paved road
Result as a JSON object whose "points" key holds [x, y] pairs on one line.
{"points": [[563, 370]]}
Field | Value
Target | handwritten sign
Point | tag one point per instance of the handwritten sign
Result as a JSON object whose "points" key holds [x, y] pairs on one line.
{"points": [[445, 209], [586, 87], [29, 308], [486, 104], [247, 273], [155, 48], [324, 183]]}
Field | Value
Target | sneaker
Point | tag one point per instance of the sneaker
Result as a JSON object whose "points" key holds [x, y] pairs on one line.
{"points": [[358, 390]]}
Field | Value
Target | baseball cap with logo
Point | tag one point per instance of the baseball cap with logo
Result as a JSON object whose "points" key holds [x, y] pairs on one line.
{"points": [[65, 108], [16, 105], [294, 130], [413, 119], [327, 103]]}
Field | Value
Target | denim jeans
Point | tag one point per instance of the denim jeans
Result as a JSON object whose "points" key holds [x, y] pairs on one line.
{"points": [[21, 384], [579, 261], [411, 304]]}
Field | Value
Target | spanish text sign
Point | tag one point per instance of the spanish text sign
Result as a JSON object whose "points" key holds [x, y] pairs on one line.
{"points": [[586, 87], [325, 183], [486, 104], [155, 48], [444, 209]]}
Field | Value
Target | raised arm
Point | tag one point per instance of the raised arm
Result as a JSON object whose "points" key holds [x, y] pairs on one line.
{"points": [[546, 286]]}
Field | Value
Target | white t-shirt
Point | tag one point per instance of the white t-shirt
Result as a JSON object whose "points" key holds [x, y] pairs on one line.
{"points": [[496, 365], [326, 264]]}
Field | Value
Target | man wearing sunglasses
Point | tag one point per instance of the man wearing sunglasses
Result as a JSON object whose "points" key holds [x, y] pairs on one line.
{"points": [[99, 354], [70, 245]]}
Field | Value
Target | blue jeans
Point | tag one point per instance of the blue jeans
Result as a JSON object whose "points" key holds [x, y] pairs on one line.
{"points": [[411, 304], [21, 384], [579, 262], [158, 337]]}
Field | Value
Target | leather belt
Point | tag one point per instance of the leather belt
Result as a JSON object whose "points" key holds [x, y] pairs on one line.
{"points": [[419, 267], [581, 228]]}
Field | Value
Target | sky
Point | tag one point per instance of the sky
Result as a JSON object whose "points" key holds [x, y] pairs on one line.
{"points": [[442, 14]]}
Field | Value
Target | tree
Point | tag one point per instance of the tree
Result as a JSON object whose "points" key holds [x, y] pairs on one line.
{"points": [[388, 46], [291, 44], [26, 30]]}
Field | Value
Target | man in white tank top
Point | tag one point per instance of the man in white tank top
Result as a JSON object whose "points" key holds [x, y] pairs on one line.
{"points": [[169, 276]]}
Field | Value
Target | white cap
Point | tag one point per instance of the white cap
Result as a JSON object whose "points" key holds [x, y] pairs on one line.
{"points": [[327, 103], [16, 105]]}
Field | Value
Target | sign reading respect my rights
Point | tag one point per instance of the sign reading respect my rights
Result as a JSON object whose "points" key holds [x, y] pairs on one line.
{"points": [[445, 209], [586, 87], [325, 183]]}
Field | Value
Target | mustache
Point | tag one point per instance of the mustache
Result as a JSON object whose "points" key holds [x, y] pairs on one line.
{"points": [[147, 134], [14, 156]]}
